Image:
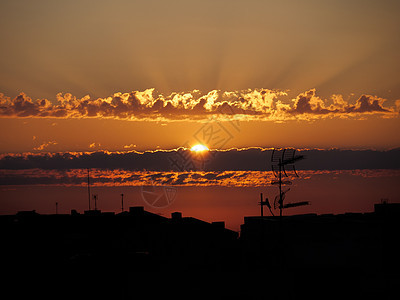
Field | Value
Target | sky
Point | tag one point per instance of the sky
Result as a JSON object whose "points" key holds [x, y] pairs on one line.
{"points": [[102, 47], [109, 77], [327, 71]]}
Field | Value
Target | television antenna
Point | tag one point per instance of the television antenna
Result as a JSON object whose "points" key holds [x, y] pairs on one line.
{"points": [[88, 184], [95, 201], [266, 203], [282, 163]]}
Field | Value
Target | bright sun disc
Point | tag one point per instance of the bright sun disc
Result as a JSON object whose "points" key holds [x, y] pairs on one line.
{"points": [[199, 148]]}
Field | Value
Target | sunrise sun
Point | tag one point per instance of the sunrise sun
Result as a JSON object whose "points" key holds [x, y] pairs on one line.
{"points": [[199, 148]]}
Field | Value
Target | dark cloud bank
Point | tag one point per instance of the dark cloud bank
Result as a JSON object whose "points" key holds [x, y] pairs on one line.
{"points": [[251, 159]]}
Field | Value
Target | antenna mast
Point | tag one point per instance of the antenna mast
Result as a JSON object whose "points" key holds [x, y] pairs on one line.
{"points": [[281, 160], [122, 202], [95, 201], [264, 202], [88, 184]]}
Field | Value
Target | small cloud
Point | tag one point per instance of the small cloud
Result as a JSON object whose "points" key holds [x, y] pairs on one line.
{"points": [[94, 145], [397, 104], [45, 145], [368, 104], [54, 124], [34, 138], [129, 146]]}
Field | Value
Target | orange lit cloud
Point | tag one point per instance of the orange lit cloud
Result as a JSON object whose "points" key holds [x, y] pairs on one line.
{"points": [[44, 145], [257, 104], [94, 145], [129, 146], [309, 104], [118, 177], [245, 167]]}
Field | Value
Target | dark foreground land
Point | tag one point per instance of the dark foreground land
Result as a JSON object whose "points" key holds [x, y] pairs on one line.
{"points": [[122, 256]]}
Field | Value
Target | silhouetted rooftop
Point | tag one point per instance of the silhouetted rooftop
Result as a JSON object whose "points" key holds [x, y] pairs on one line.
{"points": [[95, 244]]}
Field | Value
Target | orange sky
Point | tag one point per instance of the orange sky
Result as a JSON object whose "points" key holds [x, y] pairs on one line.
{"points": [[124, 75], [99, 48], [328, 192], [53, 135]]}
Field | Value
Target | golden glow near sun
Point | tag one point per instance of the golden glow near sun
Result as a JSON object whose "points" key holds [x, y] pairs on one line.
{"points": [[199, 148]]}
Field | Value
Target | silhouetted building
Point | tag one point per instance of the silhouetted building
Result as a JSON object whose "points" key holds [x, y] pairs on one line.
{"points": [[348, 248], [387, 209], [138, 239], [351, 247]]}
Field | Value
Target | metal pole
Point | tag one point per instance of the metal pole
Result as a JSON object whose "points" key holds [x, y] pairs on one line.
{"points": [[88, 184], [261, 205], [280, 189], [56, 208], [122, 202]]}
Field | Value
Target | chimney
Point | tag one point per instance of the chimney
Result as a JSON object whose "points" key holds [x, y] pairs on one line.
{"points": [[74, 212], [176, 216]]}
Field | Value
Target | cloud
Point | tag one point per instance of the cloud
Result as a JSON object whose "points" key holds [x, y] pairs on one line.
{"points": [[130, 146], [259, 104], [94, 145], [397, 103], [44, 145], [180, 160], [100, 177], [309, 105], [368, 104]]}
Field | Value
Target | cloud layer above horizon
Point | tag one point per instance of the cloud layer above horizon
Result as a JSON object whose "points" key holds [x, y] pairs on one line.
{"points": [[99, 177], [249, 167], [256, 104], [183, 160]]}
